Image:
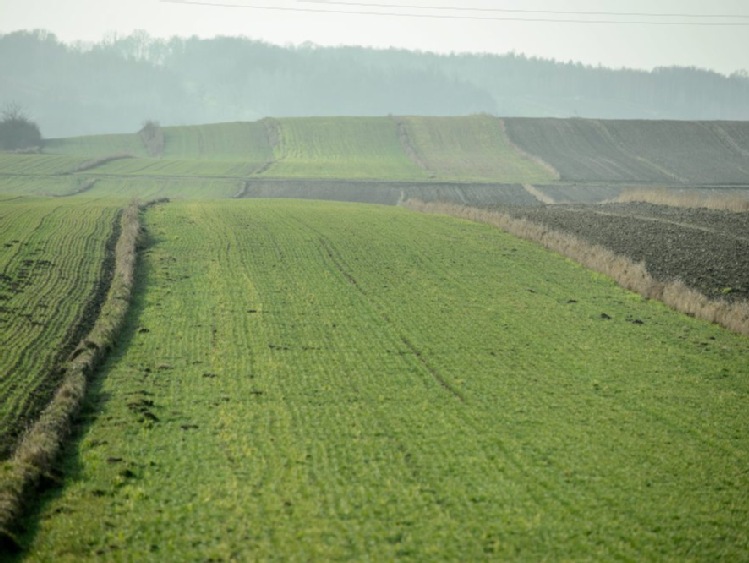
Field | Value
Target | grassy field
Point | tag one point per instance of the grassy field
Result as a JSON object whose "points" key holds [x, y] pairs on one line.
{"points": [[144, 189], [222, 141], [349, 147], [38, 165], [449, 393], [97, 146], [44, 186], [308, 380], [476, 148], [51, 266], [178, 168], [472, 148]]}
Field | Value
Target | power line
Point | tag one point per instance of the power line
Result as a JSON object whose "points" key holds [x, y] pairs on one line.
{"points": [[446, 16], [518, 11]]}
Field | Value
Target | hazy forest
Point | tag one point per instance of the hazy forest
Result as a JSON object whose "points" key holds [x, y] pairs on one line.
{"points": [[118, 83]]}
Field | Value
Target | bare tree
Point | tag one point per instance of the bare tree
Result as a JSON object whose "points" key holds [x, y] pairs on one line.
{"points": [[17, 130]]}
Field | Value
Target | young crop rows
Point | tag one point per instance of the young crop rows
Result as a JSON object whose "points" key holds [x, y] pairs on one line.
{"points": [[304, 380], [52, 255]]}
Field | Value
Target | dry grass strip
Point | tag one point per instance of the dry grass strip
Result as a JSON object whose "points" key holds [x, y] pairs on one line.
{"points": [[628, 274], [685, 198], [40, 445]]}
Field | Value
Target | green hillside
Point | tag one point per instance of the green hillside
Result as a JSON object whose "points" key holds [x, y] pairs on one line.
{"points": [[345, 147], [242, 142], [97, 146], [472, 148], [477, 148]]}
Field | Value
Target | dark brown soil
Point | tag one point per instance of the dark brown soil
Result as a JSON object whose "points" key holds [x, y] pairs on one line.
{"points": [[708, 250]]}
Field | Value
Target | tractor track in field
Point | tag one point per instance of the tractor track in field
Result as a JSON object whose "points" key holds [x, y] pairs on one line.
{"points": [[706, 249]]}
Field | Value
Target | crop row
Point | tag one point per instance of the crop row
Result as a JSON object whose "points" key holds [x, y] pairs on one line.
{"points": [[416, 148], [38, 165], [179, 168], [51, 267], [319, 381]]}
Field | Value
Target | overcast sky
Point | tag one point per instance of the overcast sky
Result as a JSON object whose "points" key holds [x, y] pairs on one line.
{"points": [[724, 48]]}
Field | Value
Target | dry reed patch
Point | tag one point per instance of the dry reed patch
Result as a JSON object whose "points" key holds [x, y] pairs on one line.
{"points": [[685, 198], [627, 273]]}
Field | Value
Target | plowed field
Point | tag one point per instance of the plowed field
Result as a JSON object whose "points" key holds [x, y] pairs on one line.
{"points": [[706, 249]]}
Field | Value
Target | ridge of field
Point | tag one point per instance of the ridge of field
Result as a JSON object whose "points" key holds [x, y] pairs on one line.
{"points": [[472, 149], [43, 186], [146, 188], [636, 150], [52, 262], [245, 141], [478, 148], [387, 192], [173, 168], [451, 393], [342, 147], [38, 164], [97, 146]]}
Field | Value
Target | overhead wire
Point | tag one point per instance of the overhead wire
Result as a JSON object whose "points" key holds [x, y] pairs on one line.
{"points": [[469, 17], [524, 11]]}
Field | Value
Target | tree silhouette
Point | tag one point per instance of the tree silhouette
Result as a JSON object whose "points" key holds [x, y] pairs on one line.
{"points": [[17, 131]]}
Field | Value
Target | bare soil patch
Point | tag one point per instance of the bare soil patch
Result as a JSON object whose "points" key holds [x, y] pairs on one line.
{"points": [[706, 249]]}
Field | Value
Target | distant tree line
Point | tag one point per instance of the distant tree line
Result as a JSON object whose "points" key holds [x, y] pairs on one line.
{"points": [[108, 86]]}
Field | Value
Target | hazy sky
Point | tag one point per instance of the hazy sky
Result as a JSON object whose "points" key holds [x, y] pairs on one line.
{"points": [[724, 48]]}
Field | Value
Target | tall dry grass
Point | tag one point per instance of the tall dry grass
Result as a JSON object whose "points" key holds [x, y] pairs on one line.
{"points": [[685, 198], [40, 445], [630, 275]]}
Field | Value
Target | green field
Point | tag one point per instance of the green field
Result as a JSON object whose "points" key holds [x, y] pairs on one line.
{"points": [[472, 148], [178, 169], [38, 165], [351, 147], [97, 146], [51, 265], [223, 141], [450, 393], [300, 380]]}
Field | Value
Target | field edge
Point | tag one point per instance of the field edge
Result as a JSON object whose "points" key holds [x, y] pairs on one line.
{"points": [[38, 449], [628, 274]]}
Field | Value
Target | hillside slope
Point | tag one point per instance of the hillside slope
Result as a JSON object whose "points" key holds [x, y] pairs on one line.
{"points": [[470, 148], [686, 152], [479, 148]]}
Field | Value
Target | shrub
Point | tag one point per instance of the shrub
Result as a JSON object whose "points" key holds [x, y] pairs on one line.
{"points": [[17, 131]]}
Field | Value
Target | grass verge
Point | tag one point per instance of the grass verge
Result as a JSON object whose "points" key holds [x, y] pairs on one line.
{"points": [[628, 274], [40, 445]]}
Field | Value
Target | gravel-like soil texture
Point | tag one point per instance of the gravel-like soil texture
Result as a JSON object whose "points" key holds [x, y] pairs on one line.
{"points": [[708, 250]]}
